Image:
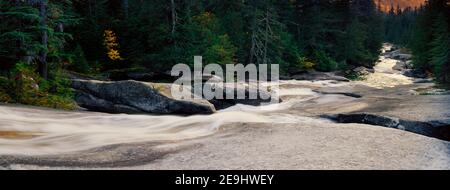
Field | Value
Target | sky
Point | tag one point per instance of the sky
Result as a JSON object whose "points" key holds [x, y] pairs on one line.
{"points": [[386, 4]]}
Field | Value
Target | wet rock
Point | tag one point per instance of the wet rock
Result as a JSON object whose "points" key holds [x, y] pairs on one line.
{"points": [[402, 56], [436, 128], [285, 77], [315, 76], [398, 55], [414, 73], [368, 119], [263, 96], [134, 97], [350, 94], [91, 102], [402, 65], [418, 81], [390, 54], [211, 78], [408, 64], [74, 75], [363, 70], [399, 66], [139, 74]]}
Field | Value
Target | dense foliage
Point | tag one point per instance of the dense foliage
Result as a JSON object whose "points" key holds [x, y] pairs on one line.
{"points": [[431, 40], [426, 32], [157, 34], [399, 25], [32, 40], [94, 36]]}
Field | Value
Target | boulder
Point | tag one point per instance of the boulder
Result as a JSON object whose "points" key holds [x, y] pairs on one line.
{"points": [[211, 78], [74, 76], [390, 54], [146, 75], [399, 55], [400, 66], [389, 49], [315, 76], [409, 64], [402, 56], [350, 94], [414, 73], [434, 128], [285, 77], [429, 80], [224, 103], [139, 74], [363, 70], [134, 97], [91, 102]]}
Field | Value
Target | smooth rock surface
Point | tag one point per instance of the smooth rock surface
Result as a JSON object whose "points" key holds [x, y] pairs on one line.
{"points": [[135, 97], [315, 76], [262, 95]]}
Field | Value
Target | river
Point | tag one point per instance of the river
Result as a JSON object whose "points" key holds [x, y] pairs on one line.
{"points": [[289, 135]]}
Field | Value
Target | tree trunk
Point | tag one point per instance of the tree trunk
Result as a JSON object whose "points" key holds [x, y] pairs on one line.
{"points": [[447, 73], [252, 52], [174, 17], [90, 8], [266, 36], [43, 65], [125, 8]]}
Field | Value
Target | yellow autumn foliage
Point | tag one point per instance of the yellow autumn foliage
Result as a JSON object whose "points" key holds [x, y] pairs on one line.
{"points": [[112, 45]]}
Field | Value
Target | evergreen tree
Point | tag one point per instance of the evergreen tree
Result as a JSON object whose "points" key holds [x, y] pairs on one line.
{"points": [[33, 31], [297, 34], [440, 52], [430, 42], [420, 41], [19, 33]]}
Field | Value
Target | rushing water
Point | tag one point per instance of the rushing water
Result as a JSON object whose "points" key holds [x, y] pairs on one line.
{"points": [[60, 131], [39, 131]]}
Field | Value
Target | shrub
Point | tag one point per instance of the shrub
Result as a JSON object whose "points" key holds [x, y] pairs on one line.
{"points": [[5, 87], [304, 63], [324, 62], [29, 88], [78, 62], [354, 76]]}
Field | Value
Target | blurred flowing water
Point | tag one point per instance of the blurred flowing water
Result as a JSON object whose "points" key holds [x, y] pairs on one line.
{"points": [[44, 131], [35, 131]]}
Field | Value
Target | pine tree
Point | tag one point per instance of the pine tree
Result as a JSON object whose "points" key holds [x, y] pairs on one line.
{"points": [[18, 32], [430, 42], [34, 30], [440, 52], [158, 33], [420, 41]]}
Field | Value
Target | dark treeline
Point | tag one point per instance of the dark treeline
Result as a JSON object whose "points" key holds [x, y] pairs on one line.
{"points": [[41, 38], [97, 35], [399, 25], [426, 32], [430, 42], [297, 35]]}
